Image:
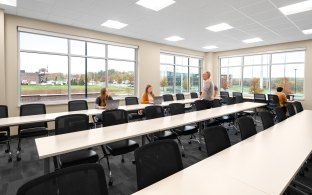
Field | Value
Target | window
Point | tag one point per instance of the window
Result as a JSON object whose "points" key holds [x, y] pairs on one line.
{"points": [[179, 74], [263, 73], [56, 68]]}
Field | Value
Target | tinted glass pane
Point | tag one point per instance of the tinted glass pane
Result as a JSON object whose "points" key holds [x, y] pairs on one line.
{"points": [[118, 52], [96, 49]]}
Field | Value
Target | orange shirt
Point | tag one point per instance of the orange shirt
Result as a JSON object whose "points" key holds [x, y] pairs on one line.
{"points": [[144, 98], [282, 98]]}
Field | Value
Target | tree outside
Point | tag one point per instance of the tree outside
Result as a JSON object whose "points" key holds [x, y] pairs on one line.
{"points": [[255, 86], [286, 84], [164, 83]]}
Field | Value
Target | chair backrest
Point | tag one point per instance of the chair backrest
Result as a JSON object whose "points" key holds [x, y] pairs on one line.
{"points": [[180, 96], [78, 180], [32, 109], [167, 97], [298, 106], [246, 126], [280, 114], [194, 95], [238, 99], [290, 109], [201, 105], [153, 112], [76, 105], [156, 161], [273, 100], [224, 94], [4, 114], [114, 117], [228, 100], [235, 94], [131, 101], [216, 103], [267, 119], [71, 123], [176, 108], [216, 139], [261, 98]]}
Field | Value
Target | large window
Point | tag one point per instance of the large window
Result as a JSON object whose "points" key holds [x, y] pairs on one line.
{"points": [[263, 73], [179, 74], [54, 68]]}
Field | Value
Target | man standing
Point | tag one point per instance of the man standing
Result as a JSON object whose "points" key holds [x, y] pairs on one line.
{"points": [[208, 88]]}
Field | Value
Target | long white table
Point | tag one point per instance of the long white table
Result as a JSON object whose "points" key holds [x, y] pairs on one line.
{"points": [[13, 121], [65, 143], [266, 163]]}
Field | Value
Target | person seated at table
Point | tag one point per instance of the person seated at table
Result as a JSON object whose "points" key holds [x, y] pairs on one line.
{"points": [[148, 95], [100, 102], [281, 96]]}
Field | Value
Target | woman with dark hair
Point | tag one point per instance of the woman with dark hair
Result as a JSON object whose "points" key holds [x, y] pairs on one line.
{"points": [[281, 96], [148, 95]]}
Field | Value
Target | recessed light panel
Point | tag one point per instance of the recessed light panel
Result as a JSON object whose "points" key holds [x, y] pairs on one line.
{"points": [[253, 40], [174, 38], [210, 47], [114, 24], [155, 5], [307, 32], [219, 27], [296, 8], [8, 2]]}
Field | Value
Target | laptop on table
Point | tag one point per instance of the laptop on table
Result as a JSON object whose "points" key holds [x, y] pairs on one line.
{"points": [[158, 100], [112, 104]]}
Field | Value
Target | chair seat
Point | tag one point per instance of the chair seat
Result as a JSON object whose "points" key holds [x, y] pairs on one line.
{"points": [[31, 132], [165, 135], [186, 130], [121, 147], [133, 116], [3, 137], [78, 157]]}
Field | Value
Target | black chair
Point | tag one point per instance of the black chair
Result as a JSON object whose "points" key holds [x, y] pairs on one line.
{"points": [[194, 95], [31, 129], [222, 119], [68, 124], [216, 139], [116, 117], [152, 112], [156, 161], [246, 126], [290, 109], [76, 105], [238, 99], [228, 100], [5, 136], [298, 106], [177, 108], [180, 96], [260, 98], [280, 113], [167, 97], [236, 94], [78, 180], [201, 105], [133, 114], [267, 119], [224, 94], [273, 102]]}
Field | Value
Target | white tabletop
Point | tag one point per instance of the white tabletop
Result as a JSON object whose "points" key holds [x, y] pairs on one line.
{"points": [[60, 144], [266, 163]]}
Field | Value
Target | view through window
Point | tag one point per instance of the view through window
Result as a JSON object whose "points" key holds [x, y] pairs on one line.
{"points": [[179, 74], [263, 73], [55, 68]]}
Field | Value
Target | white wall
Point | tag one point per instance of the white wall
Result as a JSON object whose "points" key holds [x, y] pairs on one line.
{"points": [[307, 102]]}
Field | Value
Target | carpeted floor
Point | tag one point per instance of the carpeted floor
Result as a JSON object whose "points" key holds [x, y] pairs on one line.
{"points": [[14, 174]]}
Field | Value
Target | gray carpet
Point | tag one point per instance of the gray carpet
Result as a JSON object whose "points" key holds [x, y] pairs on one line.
{"points": [[14, 174]]}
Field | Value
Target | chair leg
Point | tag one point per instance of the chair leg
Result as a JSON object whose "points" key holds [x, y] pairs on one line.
{"points": [[182, 148], [8, 150], [110, 182], [18, 151], [122, 158]]}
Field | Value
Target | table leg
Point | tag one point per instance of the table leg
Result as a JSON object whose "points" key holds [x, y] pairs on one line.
{"points": [[46, 164]]}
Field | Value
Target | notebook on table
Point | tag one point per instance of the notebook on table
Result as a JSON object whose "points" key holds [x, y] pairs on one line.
{"points": [[112, 104]]}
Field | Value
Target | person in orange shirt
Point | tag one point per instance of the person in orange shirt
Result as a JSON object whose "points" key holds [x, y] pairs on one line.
{"points": [[281, 96], [148, 95]]}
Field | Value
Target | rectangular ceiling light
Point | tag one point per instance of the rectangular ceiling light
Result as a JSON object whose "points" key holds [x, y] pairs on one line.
{"points": [[307, 32], [155, 5], [174, 38], [114, 24], [8, 2], [296, 8], [219, 27], [210, 47], [253, 40]]}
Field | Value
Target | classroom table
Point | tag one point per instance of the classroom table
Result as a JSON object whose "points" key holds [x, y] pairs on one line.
{"points": [[266, 162], [65, 143]]}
